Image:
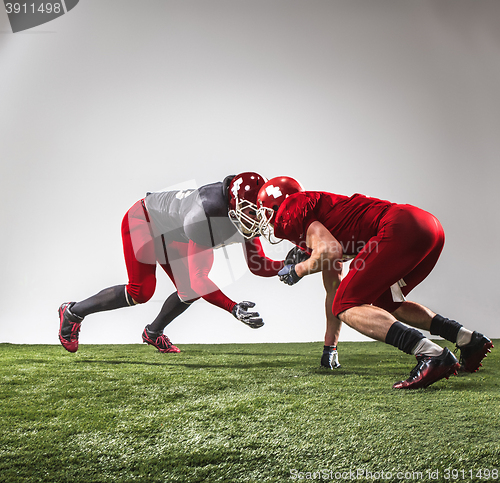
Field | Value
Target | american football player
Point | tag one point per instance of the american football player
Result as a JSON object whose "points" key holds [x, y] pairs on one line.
{"points": [[179, 231], [394, 247]]}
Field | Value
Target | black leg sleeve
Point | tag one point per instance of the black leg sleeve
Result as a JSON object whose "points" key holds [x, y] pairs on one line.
{"points": [[402, 337], [172, 308], [446, 328], [108, 299]]}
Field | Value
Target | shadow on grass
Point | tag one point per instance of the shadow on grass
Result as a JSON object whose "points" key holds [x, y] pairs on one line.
{"points": [[371, 364], [180, 364], [306, 370], [251, 354], [114, 362]]}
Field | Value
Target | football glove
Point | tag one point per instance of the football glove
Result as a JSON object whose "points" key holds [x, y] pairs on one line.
{"points": [[330, 359], [288, 275], [296, 255], [252, 319]]}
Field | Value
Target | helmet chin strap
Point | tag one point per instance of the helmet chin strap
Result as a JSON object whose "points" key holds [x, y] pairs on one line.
{"points": [[269, 236], [265, 216]]}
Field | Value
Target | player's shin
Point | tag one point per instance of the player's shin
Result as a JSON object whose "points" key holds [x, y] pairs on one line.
{"points": [[108, 299], [172, 308], [404, 338]]}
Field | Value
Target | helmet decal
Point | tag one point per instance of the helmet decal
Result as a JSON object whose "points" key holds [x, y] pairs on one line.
{"points": [[236, 186], [274, 191]]}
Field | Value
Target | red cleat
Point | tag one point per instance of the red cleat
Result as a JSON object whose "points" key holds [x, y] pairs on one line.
{"points": [[429, 370], [474, 352], [69, 327], [159, 340]]}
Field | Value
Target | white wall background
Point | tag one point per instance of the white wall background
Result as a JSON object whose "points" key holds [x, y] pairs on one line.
{"points": [[391, 98]]}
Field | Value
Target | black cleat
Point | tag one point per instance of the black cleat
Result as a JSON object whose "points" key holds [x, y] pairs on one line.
{"points": [[69, 327], [474, 352], [429, 370]]}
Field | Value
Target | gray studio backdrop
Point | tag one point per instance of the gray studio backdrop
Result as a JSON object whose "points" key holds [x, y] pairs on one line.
{"points": [[391, 98]]}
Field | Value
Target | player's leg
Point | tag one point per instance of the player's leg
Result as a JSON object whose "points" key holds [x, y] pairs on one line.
{"points": [[177, 303], [473, 346], [405, 239], [71, 314], [171, 309], [414, 314], [140, 260], [110, 298], [421, 317], [433, 362], [137, 245]]}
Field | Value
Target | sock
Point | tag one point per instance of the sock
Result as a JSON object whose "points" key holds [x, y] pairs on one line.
{"points": [[108, 299], [329, 348], [426, 347], [446, 328], [172, 308], [402, 337], [464, 337]]}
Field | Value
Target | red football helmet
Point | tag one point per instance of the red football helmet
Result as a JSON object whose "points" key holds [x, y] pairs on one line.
{"points": [[269, 199], [243, 191]]}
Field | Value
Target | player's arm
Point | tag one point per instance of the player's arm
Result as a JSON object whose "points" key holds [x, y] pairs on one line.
{"points": [[326, 255], [257, 261], [200, 262], [326, 251]]}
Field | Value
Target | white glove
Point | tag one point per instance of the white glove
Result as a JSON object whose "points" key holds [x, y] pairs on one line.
{"points": [[252, 319]]}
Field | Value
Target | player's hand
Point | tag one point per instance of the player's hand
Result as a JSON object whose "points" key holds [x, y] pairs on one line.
{"points": [[296, 255], [330, 359], [288, 275], [252, 319]]}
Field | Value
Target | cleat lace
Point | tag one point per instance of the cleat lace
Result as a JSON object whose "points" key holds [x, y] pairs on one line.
{"points": [[160, 341], [164, 340]]}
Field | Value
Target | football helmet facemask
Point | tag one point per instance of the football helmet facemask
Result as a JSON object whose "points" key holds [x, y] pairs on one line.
{"points": [[270, 198], [242, 212]]}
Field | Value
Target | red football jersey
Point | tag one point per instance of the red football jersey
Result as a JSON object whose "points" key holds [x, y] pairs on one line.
{"points": [[351, 220]]}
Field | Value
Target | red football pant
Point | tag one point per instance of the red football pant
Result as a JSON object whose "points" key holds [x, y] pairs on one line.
{"points": [[186, 263], [407, 246], [142, 252]]}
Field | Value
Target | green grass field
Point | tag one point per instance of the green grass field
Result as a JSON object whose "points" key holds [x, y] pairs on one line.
{"points": [[256, 412]]}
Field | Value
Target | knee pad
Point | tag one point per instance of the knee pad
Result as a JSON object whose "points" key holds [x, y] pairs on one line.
{"points": [[141, 293]]}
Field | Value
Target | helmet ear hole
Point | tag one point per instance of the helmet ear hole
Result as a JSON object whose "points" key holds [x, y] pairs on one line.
{"points": [[275, 207]]}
